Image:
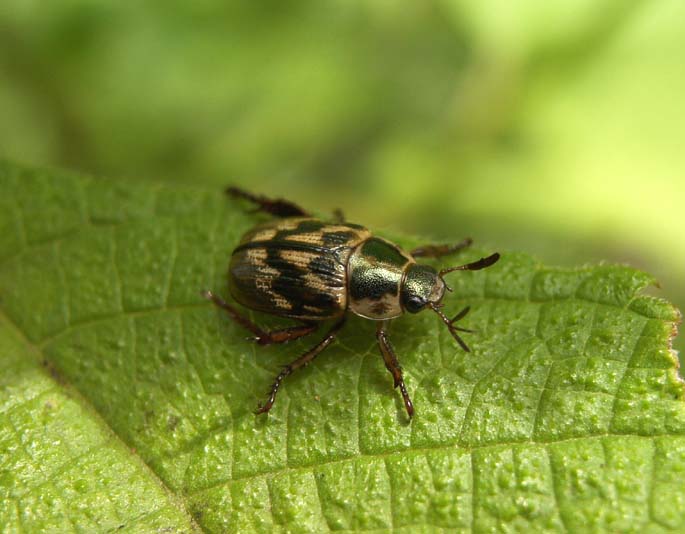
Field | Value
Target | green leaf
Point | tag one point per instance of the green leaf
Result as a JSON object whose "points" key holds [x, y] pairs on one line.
{"points": [[126, 399]]}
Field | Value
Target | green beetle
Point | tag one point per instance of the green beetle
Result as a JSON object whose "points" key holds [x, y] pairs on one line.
{"points": [[300, 267]]}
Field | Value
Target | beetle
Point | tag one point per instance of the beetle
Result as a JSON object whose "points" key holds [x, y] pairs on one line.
{"points": [[310, 270]]}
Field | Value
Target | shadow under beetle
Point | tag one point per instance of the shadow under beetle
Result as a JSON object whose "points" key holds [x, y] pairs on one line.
{"points": [[306, 269]]}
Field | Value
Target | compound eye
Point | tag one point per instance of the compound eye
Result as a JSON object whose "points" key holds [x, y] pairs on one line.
{"points": [[414, 304]]}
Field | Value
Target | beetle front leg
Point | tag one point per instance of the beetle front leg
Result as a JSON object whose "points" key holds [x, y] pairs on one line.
{"points": [[302, 361], [262, 337], [275, 206], [437, 251], [393, 365]]}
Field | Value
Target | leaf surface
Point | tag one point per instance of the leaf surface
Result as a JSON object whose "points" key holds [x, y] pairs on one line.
{"points": [[126, 399]]}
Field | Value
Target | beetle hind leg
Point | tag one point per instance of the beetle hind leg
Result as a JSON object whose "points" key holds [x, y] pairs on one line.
{"points": [[393, 365], [261, 337], [302, 361], [283, 335], [275, 206]]}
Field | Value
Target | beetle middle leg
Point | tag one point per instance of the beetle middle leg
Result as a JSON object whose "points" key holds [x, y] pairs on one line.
{"points": [[437, 251], [393, 365], [302, 361], [262, 337], [275, 206]]}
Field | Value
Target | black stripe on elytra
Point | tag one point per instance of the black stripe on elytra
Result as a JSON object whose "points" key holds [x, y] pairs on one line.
{"points": [[324, 266], [282, 283], [293, 286], [272, 244], [336, 239], [307, 226], [304, 227]]}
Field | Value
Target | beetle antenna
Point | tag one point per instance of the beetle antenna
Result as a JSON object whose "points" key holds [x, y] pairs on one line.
{"points": [[450, 324], [473, 266]]}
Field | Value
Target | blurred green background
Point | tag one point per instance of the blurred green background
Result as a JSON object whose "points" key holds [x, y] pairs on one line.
{"points": [[556, 128]]}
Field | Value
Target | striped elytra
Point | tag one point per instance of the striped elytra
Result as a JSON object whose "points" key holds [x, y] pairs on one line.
{"points": [[295, 267]]}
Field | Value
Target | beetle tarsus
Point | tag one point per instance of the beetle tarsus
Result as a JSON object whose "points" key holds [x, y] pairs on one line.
{"points": [[302, 361], [265, 407], [393, 365], [275, 206]]}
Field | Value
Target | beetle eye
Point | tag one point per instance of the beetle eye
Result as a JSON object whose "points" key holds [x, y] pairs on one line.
{"points": [[414, 304]]}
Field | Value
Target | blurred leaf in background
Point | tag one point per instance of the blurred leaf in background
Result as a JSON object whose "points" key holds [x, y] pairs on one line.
{"points": [[556, 128]]}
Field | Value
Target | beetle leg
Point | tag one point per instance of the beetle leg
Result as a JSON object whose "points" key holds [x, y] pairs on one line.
{"points": [[338, 215], [262, 337], [274, 206], [302, 361], [393, 365], [437, 251], [283, 335]]}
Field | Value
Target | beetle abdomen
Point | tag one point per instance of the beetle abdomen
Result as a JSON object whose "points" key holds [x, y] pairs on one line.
{"points": [[294, 267]]}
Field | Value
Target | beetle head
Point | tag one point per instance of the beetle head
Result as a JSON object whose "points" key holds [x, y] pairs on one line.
{"points": [[422, 285]]}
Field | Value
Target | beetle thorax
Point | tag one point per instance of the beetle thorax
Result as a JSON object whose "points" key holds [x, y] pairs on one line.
{"points": [[375, 272]]}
